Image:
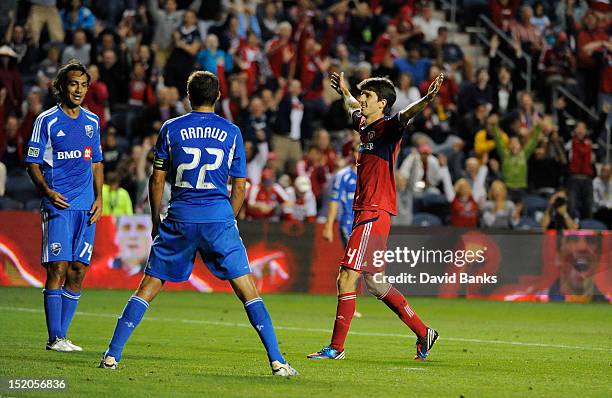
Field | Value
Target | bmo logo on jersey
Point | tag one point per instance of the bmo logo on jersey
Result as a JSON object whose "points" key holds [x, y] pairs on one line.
{"points": [[75, 154]]}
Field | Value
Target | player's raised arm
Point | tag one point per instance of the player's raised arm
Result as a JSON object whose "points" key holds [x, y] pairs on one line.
{"points": [[413, 109], [337, 83]]}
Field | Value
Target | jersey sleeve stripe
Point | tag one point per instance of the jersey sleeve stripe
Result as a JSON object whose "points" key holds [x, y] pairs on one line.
{"points": [[93, 120], [38, 123], [51, 123], [230, 157]]}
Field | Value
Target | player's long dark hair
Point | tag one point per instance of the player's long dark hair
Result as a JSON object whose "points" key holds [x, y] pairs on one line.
{"points": [[61, 80], [384, 89]]}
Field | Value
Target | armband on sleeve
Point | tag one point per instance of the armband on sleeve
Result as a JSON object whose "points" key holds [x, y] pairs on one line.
{"points": [[160, 164]]}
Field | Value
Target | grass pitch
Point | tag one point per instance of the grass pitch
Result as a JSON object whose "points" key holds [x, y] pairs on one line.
{"points": [[192, 344]]}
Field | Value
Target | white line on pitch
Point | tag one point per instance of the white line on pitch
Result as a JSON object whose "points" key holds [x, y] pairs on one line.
{"points": [[315, 330]]}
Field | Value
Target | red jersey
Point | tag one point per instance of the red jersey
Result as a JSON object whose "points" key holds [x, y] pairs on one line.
{"points": [[380, 143], [464, 214]]}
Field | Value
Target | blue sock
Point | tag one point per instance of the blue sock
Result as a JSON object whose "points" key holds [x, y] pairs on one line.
{"points": [[130, 318], [70, 301], [53, 313], [261, 321]]}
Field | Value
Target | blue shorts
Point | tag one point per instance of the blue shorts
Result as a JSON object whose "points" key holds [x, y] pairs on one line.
{"points": [[219, 244], [67, 235]]}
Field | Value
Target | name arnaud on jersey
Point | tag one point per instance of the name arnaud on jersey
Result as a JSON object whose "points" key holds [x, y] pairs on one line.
{"points": [[204, 132]]}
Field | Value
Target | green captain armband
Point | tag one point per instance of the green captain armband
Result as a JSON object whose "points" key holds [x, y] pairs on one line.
{"points": [[160, 164]]}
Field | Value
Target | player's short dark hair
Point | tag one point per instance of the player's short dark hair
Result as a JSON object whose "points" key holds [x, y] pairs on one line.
{"points": [[202, 88], [384, 89], [61, 80]]}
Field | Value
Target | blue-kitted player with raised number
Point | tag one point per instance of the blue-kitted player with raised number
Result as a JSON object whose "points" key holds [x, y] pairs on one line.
{"points": [[64, 161], [201, 151]]}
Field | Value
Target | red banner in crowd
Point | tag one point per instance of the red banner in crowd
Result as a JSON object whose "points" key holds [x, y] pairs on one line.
{"points": [[515, 266]]}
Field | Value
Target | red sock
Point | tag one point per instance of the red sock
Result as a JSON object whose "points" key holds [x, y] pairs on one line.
{"points": [[344, 315], [398, 304]]}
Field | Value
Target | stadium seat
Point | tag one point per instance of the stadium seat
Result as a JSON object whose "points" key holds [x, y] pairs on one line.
{"points": [[426, 220], [534, 203], [528, 224], [33, 205], [7, 203], [19, 187], [590, 223]]}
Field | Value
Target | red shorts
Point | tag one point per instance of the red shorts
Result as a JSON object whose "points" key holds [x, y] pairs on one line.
{"points": [[369, 235]]}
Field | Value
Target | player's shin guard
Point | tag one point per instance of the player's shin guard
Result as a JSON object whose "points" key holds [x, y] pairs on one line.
{"points": [[53, 313], [398, 304], [130, 318], [261, 321], [70, 301], [344, 316]]}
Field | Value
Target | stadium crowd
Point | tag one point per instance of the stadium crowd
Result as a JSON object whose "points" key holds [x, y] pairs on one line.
{"points": [[484, 153]]}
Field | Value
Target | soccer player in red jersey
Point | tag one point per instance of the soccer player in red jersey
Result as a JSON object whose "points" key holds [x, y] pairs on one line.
{"points": [[374, 204]]}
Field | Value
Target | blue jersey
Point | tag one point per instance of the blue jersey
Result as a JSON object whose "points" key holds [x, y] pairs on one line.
{"points": [[203, 150], [343, 192], [65, 148]]}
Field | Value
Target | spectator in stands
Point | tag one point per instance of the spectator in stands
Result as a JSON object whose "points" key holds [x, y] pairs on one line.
{"points": [[281, 52], [97, 95], [162, 110], [602, 198], [212, 58], [448, 91], [505, 81], [237, 100], [414, 64], [580, 179], [268, 20], [314, 166], [406, 93], [546, 166], [11, 149], [79, 49], [463, 204], [528, 34], [10, 79], [514, 160], [256, 157], [254, 122], [528, 115], [186, 44], [559, 65], [76, 17], [303, 199], [251, 61], [448, 53], [484, 140], [47, 69], [112, 151], [313, 67], [117, 200], [557, 215], [539, 19], [473, 93], [114, 75], [473, 122], [147, 58], [322, 140], [503, 12], [8, 10], [19, 44], [286, 140], [498, 211], [45, 13], [267, 200], [591, 44]]}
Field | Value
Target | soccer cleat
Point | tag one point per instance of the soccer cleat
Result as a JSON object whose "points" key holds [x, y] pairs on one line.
{"points": [[108, 363], [72, 345], [424, 344], [59, 345], [283, 369], [327, 352]]}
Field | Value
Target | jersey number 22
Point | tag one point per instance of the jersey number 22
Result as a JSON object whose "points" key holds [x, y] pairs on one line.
{"points": [[195, 162]]}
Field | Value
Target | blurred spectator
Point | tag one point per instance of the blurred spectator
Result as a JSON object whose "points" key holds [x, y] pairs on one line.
{"points": [[580, 179], [528, 115], [8, 11], [268, 20], [463, 203], [11, 148], [304, 203], [212, 58], [286, 140], [19, 44], [10, 79], [546, 166], [267, 200], [427, 24], [448, 53], [505, 81], [114, 75], [473, 93], [323, 142], [314, 166], [418, 174], [77, 16], [47, 69], [117, 200], [254, 122], [256, 157], [45, 13], [514, 160], [539, 19], [557, 216], [414, 64], [448, 91], [79, 49], [528, 34], [236, 101], [484, 140], [471, 123], [162, 110], [591, 44], [186, 43], [281, 52], [498, 211], [112, 151], [406, 93], [503, 12], [97, 95], [602, 199], [251, 60], [559, 65]]}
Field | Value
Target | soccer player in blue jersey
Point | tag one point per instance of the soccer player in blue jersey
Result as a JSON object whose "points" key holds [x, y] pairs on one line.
{"points": [[201, 151], [64, 161]]}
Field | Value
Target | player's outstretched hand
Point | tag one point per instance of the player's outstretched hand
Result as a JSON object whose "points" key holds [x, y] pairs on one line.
{"points": [[338, 84], [58, 200], [434, 87], [96, 211]]}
